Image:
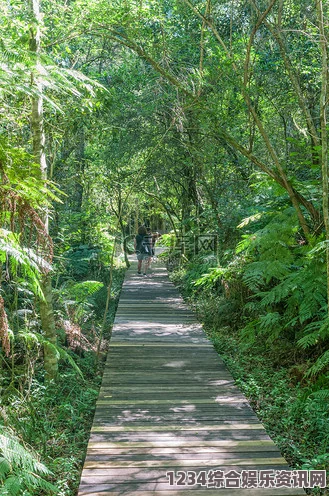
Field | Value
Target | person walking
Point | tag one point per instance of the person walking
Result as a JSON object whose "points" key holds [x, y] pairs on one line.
{"points": [[142, 250]]}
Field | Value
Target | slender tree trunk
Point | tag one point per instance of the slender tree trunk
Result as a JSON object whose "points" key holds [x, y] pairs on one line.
{"points": [[38, 136], [324, 135], [80, 168], [122, 228]]}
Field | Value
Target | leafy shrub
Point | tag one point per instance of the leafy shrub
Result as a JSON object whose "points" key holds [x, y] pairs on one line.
{"points": [[83, 260]]}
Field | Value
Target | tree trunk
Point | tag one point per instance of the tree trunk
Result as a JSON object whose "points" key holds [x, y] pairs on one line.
{"points": [[80, 168], [324, 135], [49, 328], [38, 137]]}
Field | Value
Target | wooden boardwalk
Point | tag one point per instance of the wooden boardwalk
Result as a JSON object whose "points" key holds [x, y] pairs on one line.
{"points": [[168, 403]]}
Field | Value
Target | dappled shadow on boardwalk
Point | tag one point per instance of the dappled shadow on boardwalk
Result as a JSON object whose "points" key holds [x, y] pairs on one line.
{"points": [[168, 403]]}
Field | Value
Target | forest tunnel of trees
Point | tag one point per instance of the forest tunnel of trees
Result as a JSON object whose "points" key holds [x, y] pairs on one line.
{"points": [[195, 118]]}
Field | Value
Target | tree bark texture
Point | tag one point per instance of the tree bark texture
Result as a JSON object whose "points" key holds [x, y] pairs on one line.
{"points": [[324, 134], [38, 137]]}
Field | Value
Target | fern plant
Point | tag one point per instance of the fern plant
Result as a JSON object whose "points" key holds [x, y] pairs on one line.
{"points": [[21, 472], [26, 259], [287, 282]]}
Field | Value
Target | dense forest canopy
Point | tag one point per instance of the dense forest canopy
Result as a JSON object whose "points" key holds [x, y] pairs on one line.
{"points": [[192, 117]]}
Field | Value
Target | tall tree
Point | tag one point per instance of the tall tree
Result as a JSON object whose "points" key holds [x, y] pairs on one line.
{"points": [[323, 31], [38, 137]]}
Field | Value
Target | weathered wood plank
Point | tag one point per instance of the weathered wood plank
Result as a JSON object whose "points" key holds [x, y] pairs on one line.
{"points": [[175, 443], [104, 461], [141, 474], [227, 386], [157, 344], [128, 418], [255, 450], [150, 399], [173, 428], [98, 467], [104, 490]]}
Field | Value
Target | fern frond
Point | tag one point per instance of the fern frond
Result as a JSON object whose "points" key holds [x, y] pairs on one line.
{"points": [[253, 278], [5, 467], [320, 331], [251, 218], [245, 243], [321, 363], [20, 470], [210, 278], [28, 336], [12, 486], [308, 340], [31, 264], [322, 396], [248, 333], [319, 247], [82, 290], [270, 320]]}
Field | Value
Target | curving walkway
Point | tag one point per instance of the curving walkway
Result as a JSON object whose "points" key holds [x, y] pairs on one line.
{"points": [[169, 404]]}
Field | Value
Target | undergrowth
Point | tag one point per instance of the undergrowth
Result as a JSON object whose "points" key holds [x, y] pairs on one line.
{"points": [[47, 426]]}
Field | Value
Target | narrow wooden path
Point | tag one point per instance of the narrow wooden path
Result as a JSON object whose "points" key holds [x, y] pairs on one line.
{"points": [[168, 403]]}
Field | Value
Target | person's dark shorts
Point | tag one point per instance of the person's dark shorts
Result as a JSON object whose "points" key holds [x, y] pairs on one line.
{"points": [[142, 256]]}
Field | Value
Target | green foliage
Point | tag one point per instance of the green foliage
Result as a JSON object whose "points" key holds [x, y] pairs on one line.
{"points": [[286, 280], [82, 260], [56, 420], [20, 469], [25, 259], [321, 363], [211, 278], [82, 290]]}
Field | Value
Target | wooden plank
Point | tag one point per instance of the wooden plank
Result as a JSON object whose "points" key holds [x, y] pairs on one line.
{"points": [[181, 397], [156, 344], [181, 460], [170, 406], [219, 412], [176, 443], [103, 490], [127, 418], [175, 399], [166, 376], [154, 391], [254, 450], [157, 477], [196, 425], [115, 475], [173, 428], [170, 374], [189, 435], [98, 467], [179, 354], [188, 351]]}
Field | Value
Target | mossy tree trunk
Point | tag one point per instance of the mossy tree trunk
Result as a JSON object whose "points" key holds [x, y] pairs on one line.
{"points": [[38, 138], [324, 133]]}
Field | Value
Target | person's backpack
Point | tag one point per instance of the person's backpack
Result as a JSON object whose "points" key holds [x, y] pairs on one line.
{"points": [[145, 247]]}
